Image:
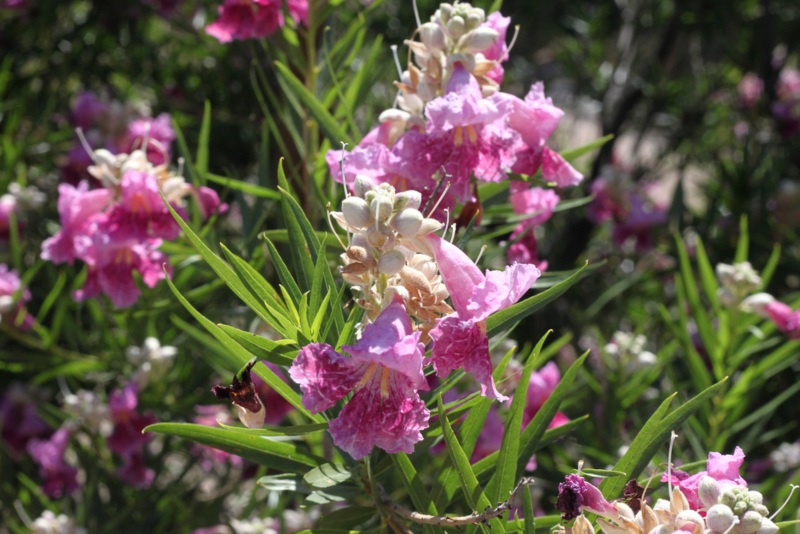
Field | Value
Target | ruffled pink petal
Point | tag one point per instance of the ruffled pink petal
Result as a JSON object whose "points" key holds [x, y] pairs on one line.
{"points": [[324, 375], [535, 118], [298, 9], [391, 342], [726, 466], [393, 422], [499, 290], [464, 344], [499, 50], [459, 273], [538, 202], [463, 105], [556, 169]]}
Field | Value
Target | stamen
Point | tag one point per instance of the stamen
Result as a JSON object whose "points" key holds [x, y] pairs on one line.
{"points": [[86, 146], [453, 234], [446, 221], [330, 223], [580, 466], [181, 161], [441, 197], [483, 249], [146, 138], [367, 375], [416, 13], [672, 439], [385, 382], [397, 62], [784, 502], [513, 41], [341, 170]]}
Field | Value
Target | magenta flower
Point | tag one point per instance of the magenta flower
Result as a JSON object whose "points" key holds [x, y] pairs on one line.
{"points": [[8, 205], [208, 202], [385, 370], [79, 210], [724, 468], [58, 478], [87, 110], [159, 135], [786, 319], [18, 420], [134, 471], [460, 339], [298, 10], [639, 222], [576, 495], [128, 423], [141, 213], [246, 19], [525, 248]]}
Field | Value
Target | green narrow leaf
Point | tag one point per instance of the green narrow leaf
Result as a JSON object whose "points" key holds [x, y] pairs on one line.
{"points": [[769, 268], [239, 185], [328, 123], [287, 280], [504, 319], [327, 475], [704, 327], [707, 275], [743, 246], [299, 249], [533, 433], [575, 153], [476, 499], [652, 436], [505, 478], [415, 488], [283, 455], [266, 374], [527, 509], [278, 352], [201, 160]]}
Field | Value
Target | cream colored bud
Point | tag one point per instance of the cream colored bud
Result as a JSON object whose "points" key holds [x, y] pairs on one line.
{"points": [[719, 518], [252, 419], [400, 291], [391, 262], [709, 491], [475, 18], [358, 254], [624, 510], [356, 212], [456, 27], [767, 527], [407, 199], [104, 157], [381, 208], [465, 58], [690, 517], [363, 183], [407, 222], [478, 39], [444, 12], [749, 524], [432, 35], [428, 226]]}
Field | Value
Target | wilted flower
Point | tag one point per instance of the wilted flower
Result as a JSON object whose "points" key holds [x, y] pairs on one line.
{"points": [[576, 495], [385, 372]]}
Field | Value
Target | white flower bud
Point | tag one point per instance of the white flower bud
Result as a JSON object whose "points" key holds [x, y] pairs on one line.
{"points": [[475, 18], [756, 303], [391, 262], [478, 39], [719, 518], [761, 509], [407, 199], [624, 510], [444, 12], [356, 212], [767, 527], [407, 222], [750, 522], [362, 184], [690, 517], [709, 491], [432, 36], [400, 291], [755, 497], [105, 157], [428, 226], [456, 27], [381, 208]]}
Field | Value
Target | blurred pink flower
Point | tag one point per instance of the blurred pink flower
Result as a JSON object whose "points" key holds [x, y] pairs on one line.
{"points": [[18, 420], [246, 19], [499, 50], [58, 478], [750, 89], [540, 387], [786, 319], [13, 298]]}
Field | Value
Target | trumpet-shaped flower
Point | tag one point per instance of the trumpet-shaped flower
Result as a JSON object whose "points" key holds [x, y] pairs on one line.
{"points": [[141, 213], [385, 370], [786, 319], [79, 209], [460, 339]]}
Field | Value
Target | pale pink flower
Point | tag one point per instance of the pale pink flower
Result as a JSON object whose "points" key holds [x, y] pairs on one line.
{"points": [[460, 339], [127, 439], [524, 249], [159, 135], [79, 210], [786, 319], [246, 19], [750, 89], [499, 50], [385, 370], [538, 202], [723, 468], [540, 387]]}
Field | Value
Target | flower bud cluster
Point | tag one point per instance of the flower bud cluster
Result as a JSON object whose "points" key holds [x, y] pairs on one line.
{"points": [[736, 281], [383, 257], [455, 34], [736, 505]]}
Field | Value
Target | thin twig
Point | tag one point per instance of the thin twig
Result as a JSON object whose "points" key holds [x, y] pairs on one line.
{"points": [[472, 519]]}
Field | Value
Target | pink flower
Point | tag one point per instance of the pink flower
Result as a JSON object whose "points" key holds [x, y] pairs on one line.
{"points": [[12, 300], [128, 423], [58, 478], [724, 468], [499, 50], [208, 202], [540, 387], [750, 89], [298, 9], [246, 19], [524, 249], [639, 221], [159, 135], [536, 201], [209, 456], [535, 118], [141, 213], [79, 210], [8, 205], [134, 471], [786, 319], [385, 370], [460, 339], [576, 495], [556, 169], [111, 268], [87, 110]]}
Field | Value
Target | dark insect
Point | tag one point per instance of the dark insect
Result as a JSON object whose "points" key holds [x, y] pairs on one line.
{"points": [[241, 392]]}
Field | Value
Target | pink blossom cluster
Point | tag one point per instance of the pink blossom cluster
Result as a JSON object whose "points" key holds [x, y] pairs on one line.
{"points": [[453, 123], [127, 439], [632, 209], [117, 229], [118, 128], [254, 19]]}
